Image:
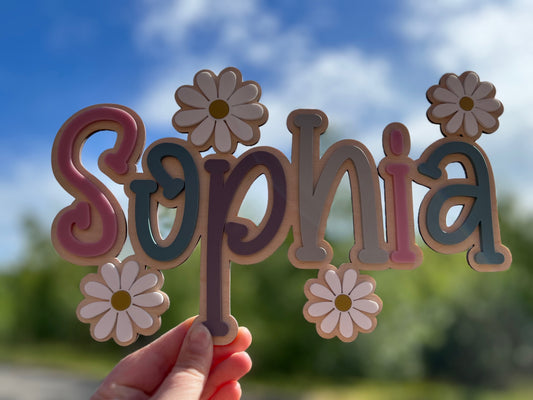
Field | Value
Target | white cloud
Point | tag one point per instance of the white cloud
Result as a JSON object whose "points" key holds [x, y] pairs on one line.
{"points": [[170, 21], [493, 39], [346, 83], [178, 23], [352, 87], [30, 190]]}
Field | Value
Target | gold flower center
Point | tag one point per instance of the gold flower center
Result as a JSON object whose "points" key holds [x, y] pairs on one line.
{"points": [[466, 103], [343, 302], [218, 109], [121, 300]]}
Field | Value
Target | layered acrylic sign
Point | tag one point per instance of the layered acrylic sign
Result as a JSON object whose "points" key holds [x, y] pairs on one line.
{"points": [[124, 297]]}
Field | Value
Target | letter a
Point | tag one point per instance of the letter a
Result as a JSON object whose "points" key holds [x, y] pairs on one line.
{"points": [[476, 228]]}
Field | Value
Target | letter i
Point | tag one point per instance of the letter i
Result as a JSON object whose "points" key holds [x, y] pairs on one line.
{"points": [[395, 169]]}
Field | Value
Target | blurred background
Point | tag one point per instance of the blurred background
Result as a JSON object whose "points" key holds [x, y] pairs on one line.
{"points": [[445, 332]]}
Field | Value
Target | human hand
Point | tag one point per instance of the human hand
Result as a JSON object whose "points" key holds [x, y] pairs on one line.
{"points": [[182, 364]]}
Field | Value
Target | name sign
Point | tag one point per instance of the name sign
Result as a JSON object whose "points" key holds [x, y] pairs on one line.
{"points": [[124, 297]]}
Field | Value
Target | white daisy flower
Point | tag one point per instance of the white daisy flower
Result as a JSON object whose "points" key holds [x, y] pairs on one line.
{"points": [[342, 303], [122, 301], [464, 106], [220, 111]]}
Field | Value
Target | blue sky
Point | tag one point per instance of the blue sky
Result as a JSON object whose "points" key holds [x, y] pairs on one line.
{"points": [[364, 63]]}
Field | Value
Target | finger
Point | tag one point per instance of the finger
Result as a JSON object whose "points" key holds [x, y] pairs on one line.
{"points": [[230, 391], [115, 392], [231, 369], [187, 379], [145, 369], [240, 344]]}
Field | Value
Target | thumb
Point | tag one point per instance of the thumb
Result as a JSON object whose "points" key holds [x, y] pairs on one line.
{"points": [[187, 378]]}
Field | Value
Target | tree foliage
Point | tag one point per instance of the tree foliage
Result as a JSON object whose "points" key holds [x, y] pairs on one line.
{"points": [[442, 320]]}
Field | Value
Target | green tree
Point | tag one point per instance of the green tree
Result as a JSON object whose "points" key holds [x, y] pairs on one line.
{"points": [[442, 320]]}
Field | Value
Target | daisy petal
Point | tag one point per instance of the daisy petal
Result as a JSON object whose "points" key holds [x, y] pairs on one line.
{"points": [[226, 85], [222, 137], [321, 291], [192, 97], [366, 305], [346, 325], [124, 327], [348, 281], [106, 324], [482, 91], [471, 126], [489, 105], [190, 117], [333, 281], [244, 94], [470, 84], [444, 95], [455, 122], [444, 110], [202, 132], [454, 84], [240, 128], [142, 284], [129, 273], [207, 85], [91, 310], [140, 317], [484, 118], [248, 111], [360, 319], [152, 299], [320, 309], [111, 277], [98, 290], [361, 290], [329, 323]]}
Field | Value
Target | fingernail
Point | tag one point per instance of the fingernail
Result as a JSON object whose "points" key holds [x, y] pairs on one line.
{"points": [[199, 338]]}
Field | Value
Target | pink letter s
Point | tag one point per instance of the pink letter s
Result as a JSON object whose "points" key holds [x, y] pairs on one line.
{"points": [[93, 228]]}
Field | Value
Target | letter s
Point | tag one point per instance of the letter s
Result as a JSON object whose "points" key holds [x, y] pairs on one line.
{"points": [[93, 228]]}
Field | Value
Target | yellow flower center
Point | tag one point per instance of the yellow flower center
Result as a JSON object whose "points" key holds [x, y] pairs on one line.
{"points": [[466, 103], [343, 302], [121, 300], [218, 109]]}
